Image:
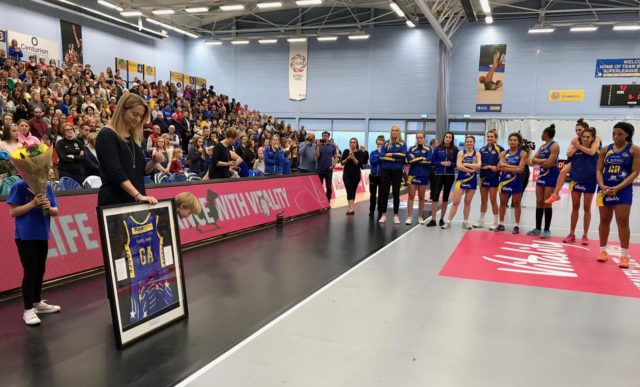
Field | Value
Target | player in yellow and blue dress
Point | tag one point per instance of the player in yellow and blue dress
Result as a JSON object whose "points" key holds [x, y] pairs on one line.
{"points": [[547, 159], [150, 286], [512, 164], [468, 163], [419, 158], [618, 167], [489, 178], [582, 168]]}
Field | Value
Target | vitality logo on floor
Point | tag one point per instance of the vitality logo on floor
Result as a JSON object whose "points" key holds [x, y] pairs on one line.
{"points": [[523, 260]]}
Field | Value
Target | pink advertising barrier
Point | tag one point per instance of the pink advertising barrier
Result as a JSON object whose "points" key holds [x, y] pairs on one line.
{"points": [[229, 207]]}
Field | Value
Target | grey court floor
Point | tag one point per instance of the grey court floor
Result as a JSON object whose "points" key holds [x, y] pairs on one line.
{"points": [[393, 321]]}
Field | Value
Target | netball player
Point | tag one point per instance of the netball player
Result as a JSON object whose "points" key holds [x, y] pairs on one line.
{"points": [[583, 182], [489, 177], [392, 155], [419, 158], [512, 164], [547, 159], [468, 162], [573, 148], [618, 167], [443, 159]]}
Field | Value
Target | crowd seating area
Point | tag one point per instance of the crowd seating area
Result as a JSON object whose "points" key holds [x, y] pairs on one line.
{"points": [[49, 98]]}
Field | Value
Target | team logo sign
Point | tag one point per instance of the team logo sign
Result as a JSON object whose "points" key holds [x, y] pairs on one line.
{"points": [[547, 263], [298, 63]]}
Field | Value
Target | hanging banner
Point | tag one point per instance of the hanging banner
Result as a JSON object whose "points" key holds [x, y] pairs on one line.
{"points": [[149, 72], [490, 84], [121, 64], [618, 67], [71, 42], [135, 68], [34, 45], [566, 95], [298, 63], [201, 82], [176, 77]]}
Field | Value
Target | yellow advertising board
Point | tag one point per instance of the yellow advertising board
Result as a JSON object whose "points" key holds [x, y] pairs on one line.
{"points": [[176, 77], [135, 67], [200, 82], [566, 95]]}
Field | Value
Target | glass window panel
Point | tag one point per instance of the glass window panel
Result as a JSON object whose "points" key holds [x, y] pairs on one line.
{"points": [[341, 139], [411, 140], [349, 125], [316, 126], [477, 126], [415, 126], [458, 126], [458, 140], [430, 126], [385, 125], [429, 137], [480, 141]]}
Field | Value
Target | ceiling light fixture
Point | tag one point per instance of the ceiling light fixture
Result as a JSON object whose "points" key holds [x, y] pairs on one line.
{"points": [[212, 42], [583, 28], [541, 30], [488, 19], [196, 10], [486, 8], [296, 40], [359, 37], [626, 27], [232, 7], [410, 24], [275, 4], [308, 2], [267, 41], [396, 8], [109, 5], [239, 42], [130, 13], [163, 12], [327, 38]]}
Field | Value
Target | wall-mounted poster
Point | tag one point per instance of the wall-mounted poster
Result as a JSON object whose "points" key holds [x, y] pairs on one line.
{"points": [[35, 45], [71, 42], [121, 64], [298, 64], [149, 72], [490, 81], [145, 278], [629, 67]]}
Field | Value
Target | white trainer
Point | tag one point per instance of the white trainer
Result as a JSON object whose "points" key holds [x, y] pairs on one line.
{"points": [[446, 225], [420, 220], [493, 227], [396, 219], [466, 225], [30, 317], [383, 218], [408, 221], [479, 224], [43, 307]]}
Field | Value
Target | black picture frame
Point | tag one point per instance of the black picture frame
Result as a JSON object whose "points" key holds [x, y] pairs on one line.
{"points": [[153, 276]]}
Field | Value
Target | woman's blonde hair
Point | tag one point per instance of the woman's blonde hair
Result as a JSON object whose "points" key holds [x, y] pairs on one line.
{"points": [[91, 138], [127, 102], [399, 133], [176, 151]]}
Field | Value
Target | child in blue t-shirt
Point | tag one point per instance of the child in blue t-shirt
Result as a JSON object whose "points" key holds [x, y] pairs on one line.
{"points": [[32, 240]]}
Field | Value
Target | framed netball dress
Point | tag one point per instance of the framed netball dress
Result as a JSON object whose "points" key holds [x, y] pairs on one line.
{"points": [[144, 272]]}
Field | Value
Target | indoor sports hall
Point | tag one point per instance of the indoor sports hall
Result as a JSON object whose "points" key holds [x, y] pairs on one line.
{"points": [[319, 193]]}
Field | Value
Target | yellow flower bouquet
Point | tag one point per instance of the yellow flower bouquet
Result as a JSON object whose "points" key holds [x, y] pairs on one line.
{"points": [[33, 164]]}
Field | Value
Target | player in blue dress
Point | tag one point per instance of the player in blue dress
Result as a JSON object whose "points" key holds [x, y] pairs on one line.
{"points": [[489, 178], [468, 163], [583, 182], [547, 159], [150, 287], [419, 158], [618, 167], [512, 164], [576, 145]]}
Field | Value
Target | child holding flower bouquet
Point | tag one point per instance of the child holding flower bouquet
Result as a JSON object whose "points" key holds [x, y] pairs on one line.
{"points": [[32, 202]]}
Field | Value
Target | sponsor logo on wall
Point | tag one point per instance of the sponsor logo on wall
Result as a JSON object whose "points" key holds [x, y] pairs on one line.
{"points": [[566, 95], [490, 80], [35, 45]]}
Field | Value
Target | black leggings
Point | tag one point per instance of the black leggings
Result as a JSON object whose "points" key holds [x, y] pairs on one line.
{"points": [[33, 256], [391, 178], [441, 183], [374, 187], [351, 182]]}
